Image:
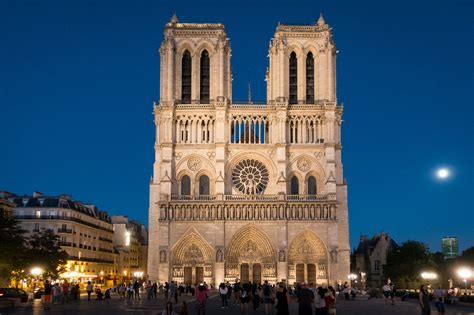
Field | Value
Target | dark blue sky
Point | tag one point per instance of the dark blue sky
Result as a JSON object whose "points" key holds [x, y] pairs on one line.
{"points": [[78, 80]]}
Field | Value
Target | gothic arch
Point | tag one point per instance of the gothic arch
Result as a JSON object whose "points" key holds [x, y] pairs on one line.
{"points": [[296, 49], [192, 249], [316, 170], [204, 44], [307, 247], [182, 165], [248, 245], [300, 182], [312, 49]]}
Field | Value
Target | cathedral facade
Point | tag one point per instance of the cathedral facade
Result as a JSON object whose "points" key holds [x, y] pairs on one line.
{"points": [[242, 190]]}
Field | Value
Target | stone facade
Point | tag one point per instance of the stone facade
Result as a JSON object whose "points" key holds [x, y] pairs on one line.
{"points": [[245, 190]]}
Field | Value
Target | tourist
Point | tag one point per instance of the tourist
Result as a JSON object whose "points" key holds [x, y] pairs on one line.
{"points": [[184, 309], [223, 290], [320, 301], [386, 292], [424, 299], [173, 292], [282, 300], [439, 295], [245, 298], [168, 309], [47, 294], [237, 292], [330, 299], [201, 297], [305, 300], [267, 297], [229, 291], [136, 289], [166, 290], [155, 290], [89, 289], [65, 292], [256, 296], [56, 293]]}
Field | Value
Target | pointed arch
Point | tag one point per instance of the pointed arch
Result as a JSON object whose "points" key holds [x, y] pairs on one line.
{"points": [[186, 69], [205, 72], [293, 78], [307, 247], [310, 78], [250, 244], [192, 249]]}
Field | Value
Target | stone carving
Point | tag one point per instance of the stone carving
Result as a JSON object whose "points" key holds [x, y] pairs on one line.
{"points": [[219, 256], [281, 255], [334, 255], [211, 155], [194, 164], [304, 164], [318, 154], [194, 253], [271, 153], [162, 256]]}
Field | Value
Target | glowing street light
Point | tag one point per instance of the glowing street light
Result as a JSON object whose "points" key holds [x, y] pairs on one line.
{"points": [[138, 274], [36, 271], [352, 277], [464, 274], [429, 275]]}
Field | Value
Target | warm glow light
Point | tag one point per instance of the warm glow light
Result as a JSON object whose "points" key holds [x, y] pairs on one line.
{"points": [[36, 271], [138, 274], [442, 173], [429, 275], [464, 273], [127, 238], [352, 276]]}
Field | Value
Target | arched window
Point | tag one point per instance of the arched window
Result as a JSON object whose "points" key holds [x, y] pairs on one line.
{"points": [[203, 185], [293, 79], [204, 82], [295, 186], [312, 186], [185, 185], [186, 78], [309, 78]]}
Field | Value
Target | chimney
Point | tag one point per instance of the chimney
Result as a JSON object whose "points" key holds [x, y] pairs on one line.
{"points": [[37, 194]]}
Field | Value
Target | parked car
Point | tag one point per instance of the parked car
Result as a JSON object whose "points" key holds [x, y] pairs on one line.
{"points": [[38, 293], [17, 296]]}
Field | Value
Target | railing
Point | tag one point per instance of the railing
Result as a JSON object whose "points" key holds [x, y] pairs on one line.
{"points": [[103, 239], [65, 218], [280, 197], [68, 244], [105, 250], [91, 259], [61, 230]]}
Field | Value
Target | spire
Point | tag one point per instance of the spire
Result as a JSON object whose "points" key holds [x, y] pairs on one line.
{"points": [[249, 95], [174, 19], [321, 21]]}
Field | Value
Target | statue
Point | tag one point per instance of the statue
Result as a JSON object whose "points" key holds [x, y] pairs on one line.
{"points": [[334, 255], [162, 256], [281, 255], [219, 256]]}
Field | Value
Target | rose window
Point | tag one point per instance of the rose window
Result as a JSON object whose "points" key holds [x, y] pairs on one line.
{"points": [[250, 177]]}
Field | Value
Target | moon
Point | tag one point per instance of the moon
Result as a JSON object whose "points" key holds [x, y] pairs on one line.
{"points": [[442, 173]]}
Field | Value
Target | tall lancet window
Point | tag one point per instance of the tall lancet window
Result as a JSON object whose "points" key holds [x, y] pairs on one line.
{"points": [[186, 78], [204, 82], [185, 185], [293, 79], [294, 186], [309, 78]]}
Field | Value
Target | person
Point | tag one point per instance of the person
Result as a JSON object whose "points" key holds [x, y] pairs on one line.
{"points": [[237, 293], [245, 297], [99, 294], [136, 289], [330, 299], [168, 309], [392, 293], [305, 300], [173, 291], [47, 294], [56, 293], [320, 302], [107, 294], [282, 300], [386, 292], [223, 290], [201, 297], [166, 289], [184, 309], [89, 289], [424, 299], [256, 296], [149, 290], [65, 292], [439, 294], [267, 297], [155, 290]]}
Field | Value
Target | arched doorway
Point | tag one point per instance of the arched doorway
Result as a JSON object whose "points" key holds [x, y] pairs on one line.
{"points": [[250, 257], [308, 259], [192, 260]]}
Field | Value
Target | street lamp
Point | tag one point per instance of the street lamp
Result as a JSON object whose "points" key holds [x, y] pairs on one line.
{"points": [[35, 272], [464, 274], [362, 279], [138, 274], [352, 277], [428, 276]]}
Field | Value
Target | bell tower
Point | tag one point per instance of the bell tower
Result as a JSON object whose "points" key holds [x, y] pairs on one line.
{"points": [[195, 63], [302, 67]]}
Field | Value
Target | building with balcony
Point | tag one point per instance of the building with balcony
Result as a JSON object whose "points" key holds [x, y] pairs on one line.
{"points": [[248, 190], [86, 233], [130, 243]]}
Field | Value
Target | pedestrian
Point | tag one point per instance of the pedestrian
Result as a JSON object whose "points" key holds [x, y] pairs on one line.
{"points": [[237, 292], [282, 300], [439, 295], [56, 293], [166, 290], [305, 300], [65, 292], [320, 302], [424, 299], [267, 297], [47, 294], [386, 292], [223, 290], [201, 297], [173, 292], [184, 309], [168, 309], [330, 299], [136, 289], [149, 290], [89, 289], [229, 291], [155, 290], [245, 297], [256, 296]]}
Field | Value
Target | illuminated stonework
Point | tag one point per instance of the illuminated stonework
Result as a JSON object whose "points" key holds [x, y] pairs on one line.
{"points": [[250, 177]]}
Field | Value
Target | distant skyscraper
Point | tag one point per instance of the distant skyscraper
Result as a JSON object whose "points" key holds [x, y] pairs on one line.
{"points": [[450, 247]]}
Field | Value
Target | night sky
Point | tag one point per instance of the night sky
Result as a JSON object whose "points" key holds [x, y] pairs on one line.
{"points": [[78, 80]]}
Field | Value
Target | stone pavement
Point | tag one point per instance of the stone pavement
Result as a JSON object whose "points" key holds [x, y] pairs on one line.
{"points": [[115, 306]]}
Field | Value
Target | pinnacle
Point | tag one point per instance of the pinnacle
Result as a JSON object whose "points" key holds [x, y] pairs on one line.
{"points": [[174, 19], [321, 20]]}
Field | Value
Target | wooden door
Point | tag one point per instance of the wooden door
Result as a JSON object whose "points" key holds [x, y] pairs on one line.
{"points": [[312, 273], [300, 273], [257, 273], [244, 273], [199, 275], [188, 275]]}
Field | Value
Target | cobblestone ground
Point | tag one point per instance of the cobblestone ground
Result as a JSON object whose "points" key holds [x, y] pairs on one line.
{"points": [[116, 306]]}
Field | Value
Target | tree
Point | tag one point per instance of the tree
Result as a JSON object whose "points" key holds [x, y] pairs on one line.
{"points": [[45, 251], [406, 262], [12, 247]]}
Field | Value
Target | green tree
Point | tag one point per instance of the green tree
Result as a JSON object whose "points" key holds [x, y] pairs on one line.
{"points": [[406, 262], [12, 247], [44, 250]]}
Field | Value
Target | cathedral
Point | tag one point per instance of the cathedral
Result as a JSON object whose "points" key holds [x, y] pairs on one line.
{"points": [[246, 190]]}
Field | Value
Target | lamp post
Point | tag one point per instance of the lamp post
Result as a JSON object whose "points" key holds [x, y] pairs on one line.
{"points": [[35, 272], [464, 274]]}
